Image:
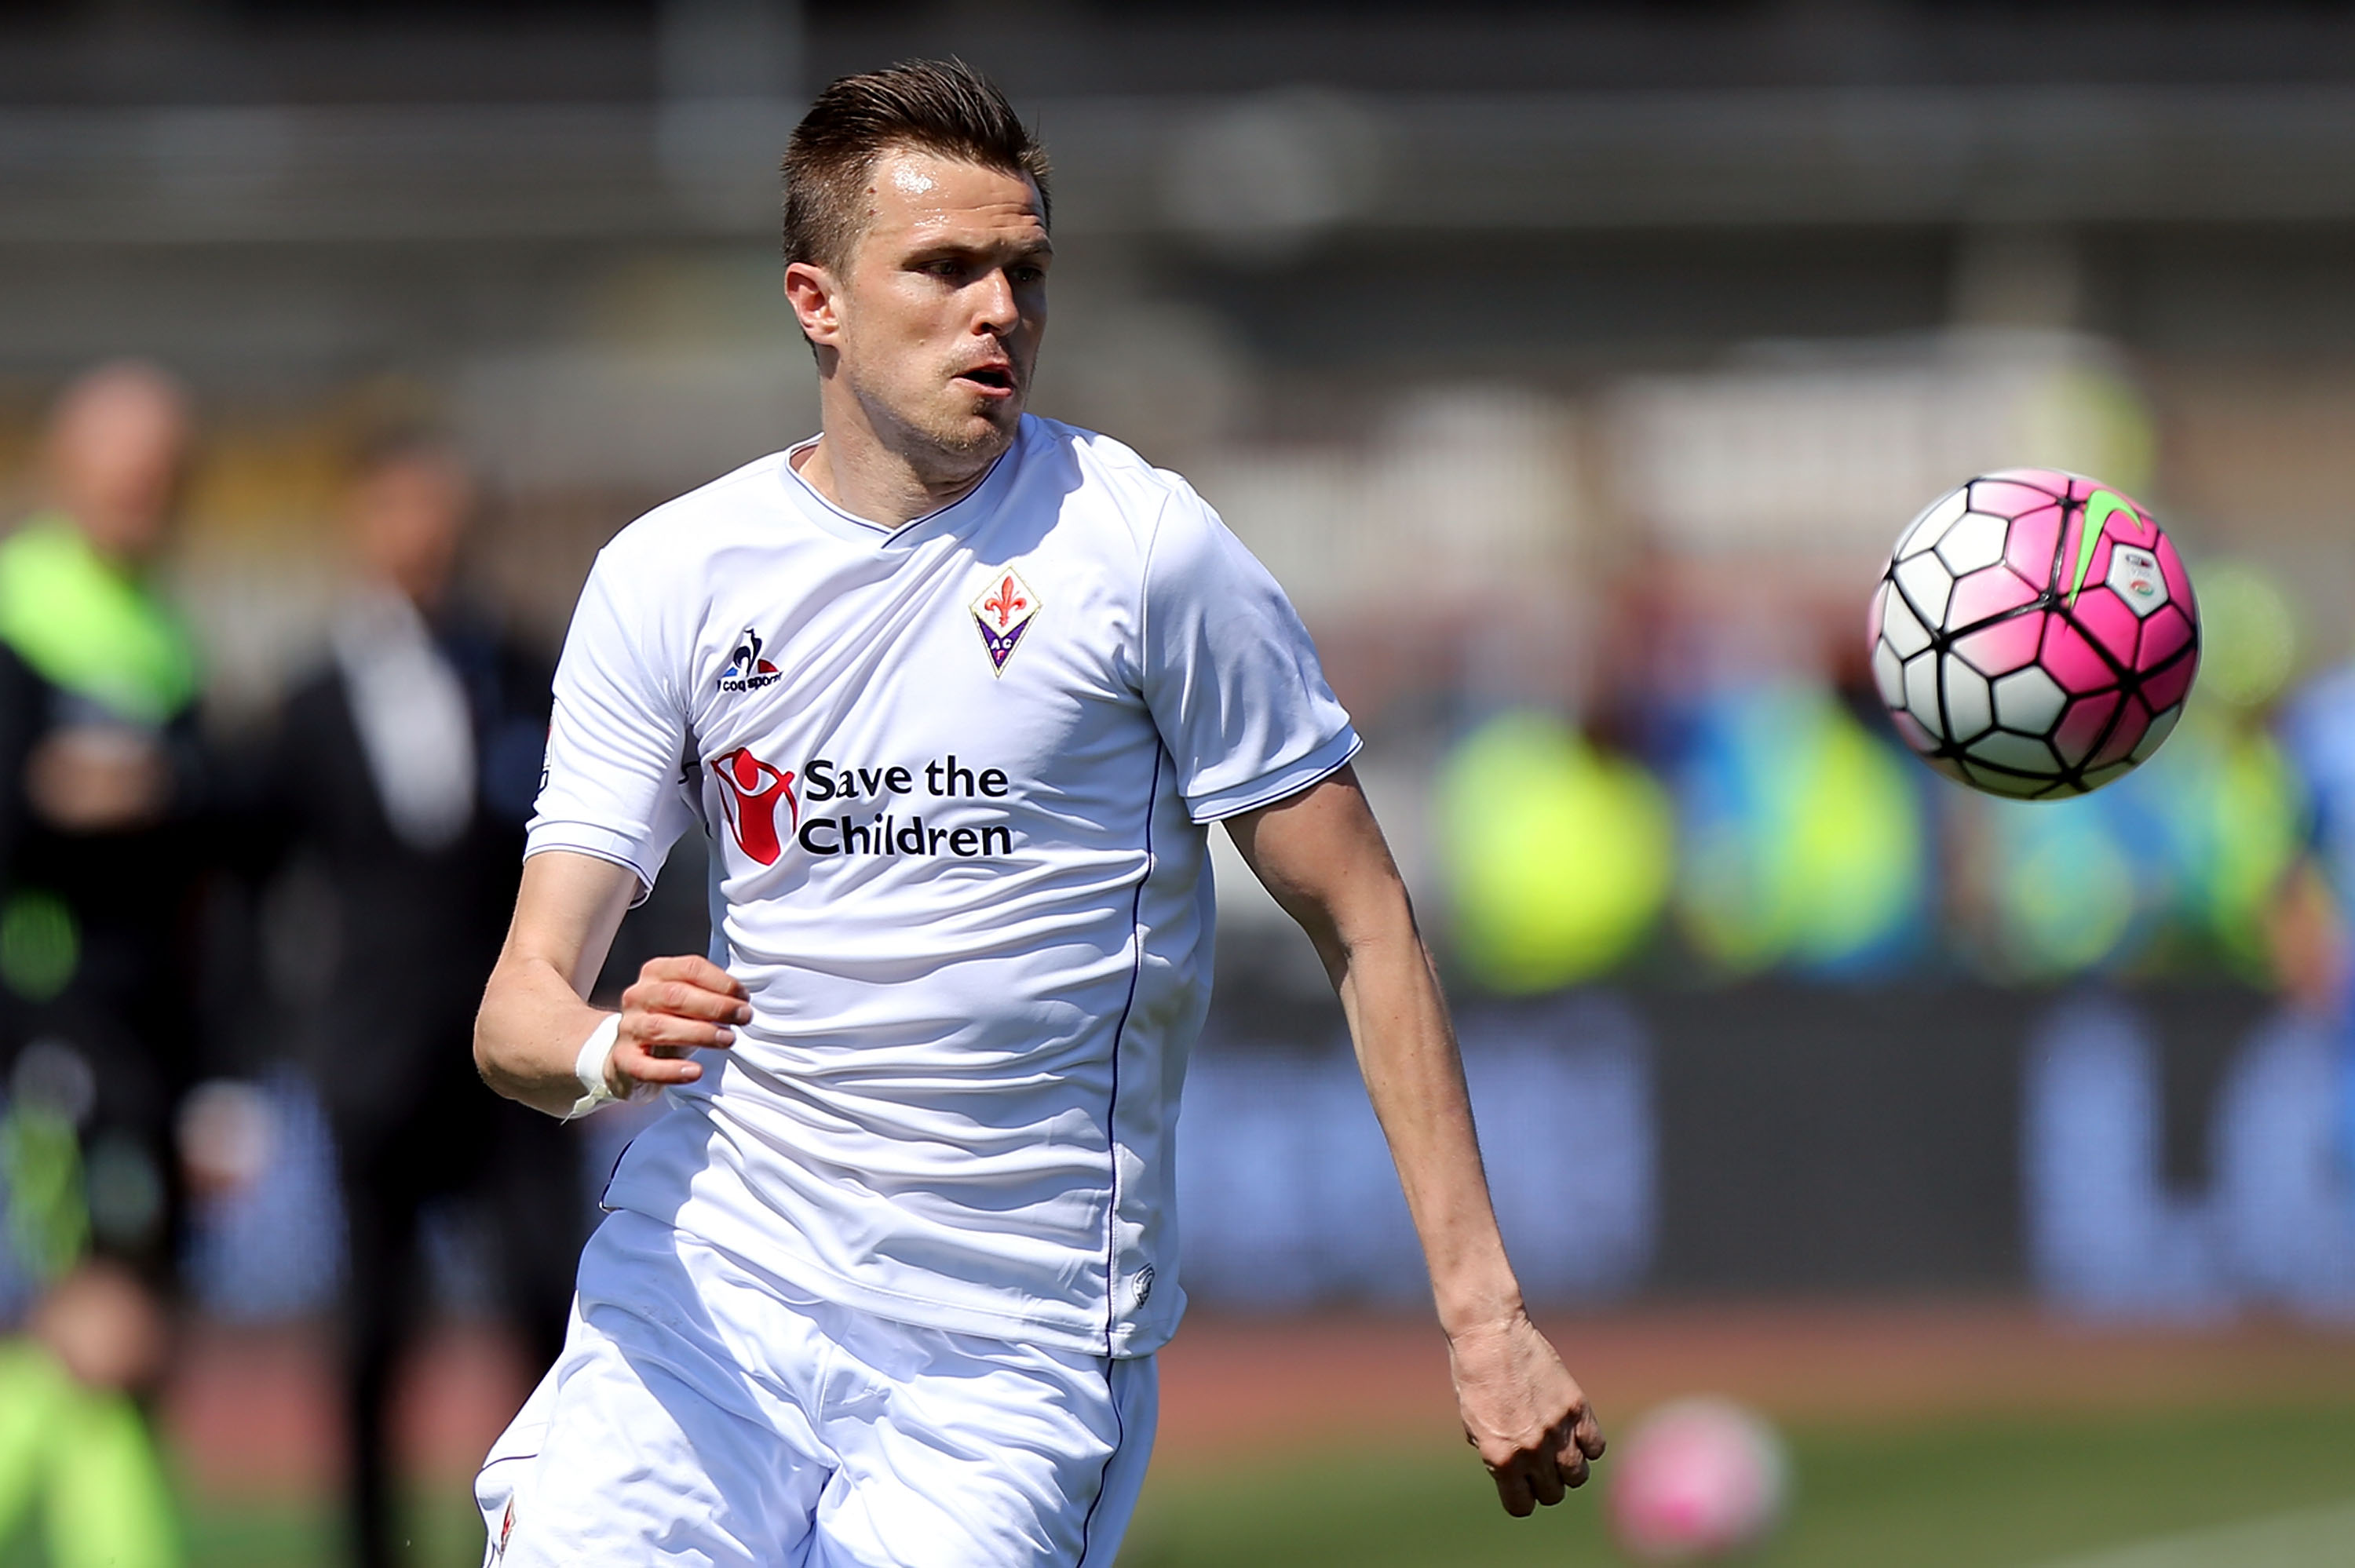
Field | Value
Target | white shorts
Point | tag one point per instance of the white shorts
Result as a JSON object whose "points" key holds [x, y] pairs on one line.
{"points": [[699, 1416]]}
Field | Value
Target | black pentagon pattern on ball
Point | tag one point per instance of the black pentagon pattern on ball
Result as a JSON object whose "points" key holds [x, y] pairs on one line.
{"points": [[2024, 764]]}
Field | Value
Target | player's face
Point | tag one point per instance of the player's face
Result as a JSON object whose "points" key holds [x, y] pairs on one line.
{"points": [[938, 318]]}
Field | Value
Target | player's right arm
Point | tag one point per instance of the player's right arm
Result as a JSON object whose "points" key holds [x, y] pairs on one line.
{"points": [[535, 1020]]}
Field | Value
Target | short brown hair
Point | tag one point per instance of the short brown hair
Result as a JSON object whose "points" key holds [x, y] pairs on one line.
{"points": [[933, 106]]}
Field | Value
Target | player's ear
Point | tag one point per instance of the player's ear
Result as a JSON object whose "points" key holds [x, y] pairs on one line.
{"points": [[813, 292]]}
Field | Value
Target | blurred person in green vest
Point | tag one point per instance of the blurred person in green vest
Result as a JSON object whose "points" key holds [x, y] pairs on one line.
{"points": [[100, 779], [1557, 854], [1806, 840]]}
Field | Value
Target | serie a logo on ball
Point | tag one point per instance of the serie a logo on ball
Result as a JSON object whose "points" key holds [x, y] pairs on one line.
{"points": [[2034, 634]]}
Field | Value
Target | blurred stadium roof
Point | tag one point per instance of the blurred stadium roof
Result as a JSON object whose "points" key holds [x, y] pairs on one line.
{"points": [[1397, 161], [265, 190], [160, 122]]}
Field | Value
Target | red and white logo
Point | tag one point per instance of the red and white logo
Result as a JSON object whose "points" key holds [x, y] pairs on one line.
{"points": [[750, 790], [1003, 610]]}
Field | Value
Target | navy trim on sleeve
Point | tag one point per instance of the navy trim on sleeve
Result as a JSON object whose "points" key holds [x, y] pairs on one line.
{"points": [[1285, 782]]}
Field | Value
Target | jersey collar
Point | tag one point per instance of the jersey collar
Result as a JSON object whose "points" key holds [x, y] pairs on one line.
{"points": [[975, 502]]}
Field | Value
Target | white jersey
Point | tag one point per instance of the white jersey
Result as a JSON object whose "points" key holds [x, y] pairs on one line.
{"points": [[955, 778]]}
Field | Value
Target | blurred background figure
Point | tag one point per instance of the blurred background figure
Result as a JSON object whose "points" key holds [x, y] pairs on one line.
{"points": [[2314, 927], [1560, 853], [402, 774], [1806, 840], [101, 785]]}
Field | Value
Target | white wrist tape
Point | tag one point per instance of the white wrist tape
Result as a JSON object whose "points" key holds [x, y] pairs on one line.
{"points": [[589, 1067]]}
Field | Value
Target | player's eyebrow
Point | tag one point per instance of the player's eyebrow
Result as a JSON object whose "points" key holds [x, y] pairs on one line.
{"points": [[1004, 252]]}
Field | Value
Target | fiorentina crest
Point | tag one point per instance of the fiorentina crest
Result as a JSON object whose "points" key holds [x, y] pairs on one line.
{"points": [[1003, 612]]}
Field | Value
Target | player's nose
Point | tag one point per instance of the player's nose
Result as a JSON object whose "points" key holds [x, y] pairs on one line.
{"points": [[993, 304]]}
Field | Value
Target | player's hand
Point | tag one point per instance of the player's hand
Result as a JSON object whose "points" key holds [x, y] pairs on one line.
{"points": [[1524, 1412], [677, 1005]]}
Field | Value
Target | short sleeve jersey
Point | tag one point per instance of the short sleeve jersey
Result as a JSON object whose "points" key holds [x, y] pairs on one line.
{"points": [[956, 779]]}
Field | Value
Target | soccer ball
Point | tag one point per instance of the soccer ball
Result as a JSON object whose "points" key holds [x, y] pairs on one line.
{"points": [[1697, 1478], [2034, 634]]}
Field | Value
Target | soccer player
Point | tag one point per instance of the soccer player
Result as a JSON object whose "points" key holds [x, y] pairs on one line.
{"points": [[956, 691]]}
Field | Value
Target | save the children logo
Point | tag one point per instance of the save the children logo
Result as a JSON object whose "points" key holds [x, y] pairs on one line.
{"points": [[1003, 610], [944, 807], [750, 790], [747, 670]]}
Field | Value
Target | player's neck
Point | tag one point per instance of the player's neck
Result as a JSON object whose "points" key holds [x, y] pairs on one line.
{"points": [[852, 466]]}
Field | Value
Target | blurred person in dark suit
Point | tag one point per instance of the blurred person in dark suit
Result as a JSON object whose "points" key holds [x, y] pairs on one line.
{"points": [[102, 787], [404, 772]]}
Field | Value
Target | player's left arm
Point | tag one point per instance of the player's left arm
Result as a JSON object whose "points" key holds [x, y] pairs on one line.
{"points": [[1322, 855]]}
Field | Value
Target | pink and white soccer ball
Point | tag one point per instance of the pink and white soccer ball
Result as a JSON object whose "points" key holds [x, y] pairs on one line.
{"points": [[1696, 1479], [2034, 634]]}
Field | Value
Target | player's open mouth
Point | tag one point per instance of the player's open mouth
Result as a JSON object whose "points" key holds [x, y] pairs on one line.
{"points": [[997, 380]]}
